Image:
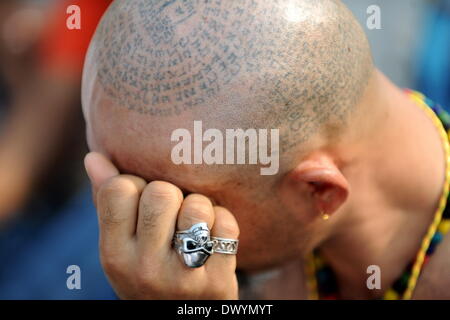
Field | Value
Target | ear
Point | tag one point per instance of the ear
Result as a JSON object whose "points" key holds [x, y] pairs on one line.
{"points": [[318, 180]]}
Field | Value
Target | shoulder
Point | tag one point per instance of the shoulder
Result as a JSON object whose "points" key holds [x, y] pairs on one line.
{"points": [[434, 281]]}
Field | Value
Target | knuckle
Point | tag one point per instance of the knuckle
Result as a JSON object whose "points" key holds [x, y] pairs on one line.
{"points": [[218, 288], [197, 210], [226, 222], [107, 198], [198, 207], [111, 196], [111, 264], [147, 264], [148, 280], [109, 218], [222, 288], [150, 215], [229, 229], [163, 191], [115, 187], [186, 289], [144, 280], [196, 197]]}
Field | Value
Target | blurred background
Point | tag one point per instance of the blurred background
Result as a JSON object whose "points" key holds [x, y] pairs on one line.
{"points": [[47, 219]]}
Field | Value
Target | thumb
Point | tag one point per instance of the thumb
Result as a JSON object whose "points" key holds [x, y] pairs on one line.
{"points": [[99, 169]]}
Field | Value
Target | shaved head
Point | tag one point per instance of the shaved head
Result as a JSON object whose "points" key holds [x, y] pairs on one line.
{"points": [[297, 65], [155, 66]]}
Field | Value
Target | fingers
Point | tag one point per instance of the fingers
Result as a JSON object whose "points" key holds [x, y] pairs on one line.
{"points": [[117, 205], [99, 170], [196, 208], [137, 225], [158, 210], [225, 226]]}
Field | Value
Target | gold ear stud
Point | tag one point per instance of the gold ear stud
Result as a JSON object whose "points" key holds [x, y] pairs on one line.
{"points": [[325, 216]]}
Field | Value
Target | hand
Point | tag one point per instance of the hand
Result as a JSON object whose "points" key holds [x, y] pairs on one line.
{"points": [[137, 224]]}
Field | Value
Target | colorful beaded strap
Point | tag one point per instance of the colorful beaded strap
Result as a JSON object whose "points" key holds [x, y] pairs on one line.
{"points": [[322, 281]]}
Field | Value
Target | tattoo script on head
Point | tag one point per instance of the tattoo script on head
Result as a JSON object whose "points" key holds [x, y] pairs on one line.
{"points": [[163, 57]]}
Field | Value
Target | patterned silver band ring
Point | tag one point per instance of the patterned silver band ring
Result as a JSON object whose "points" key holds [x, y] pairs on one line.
{"points": [[225, 246]]}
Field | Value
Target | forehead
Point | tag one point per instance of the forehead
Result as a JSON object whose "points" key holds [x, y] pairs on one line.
{"points": [[142, 145], [157, 165]]}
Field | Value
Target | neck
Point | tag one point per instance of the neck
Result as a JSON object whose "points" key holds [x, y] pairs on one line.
{"points": [[399, 186]]}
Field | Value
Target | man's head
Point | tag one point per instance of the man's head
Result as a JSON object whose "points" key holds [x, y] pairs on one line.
{"points": [[299, 66]]}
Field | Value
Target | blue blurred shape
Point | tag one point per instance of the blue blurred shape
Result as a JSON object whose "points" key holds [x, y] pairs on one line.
{"points": [[34, 256]]}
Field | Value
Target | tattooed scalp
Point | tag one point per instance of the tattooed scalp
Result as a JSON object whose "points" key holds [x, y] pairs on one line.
{"points": [[296, 65]]}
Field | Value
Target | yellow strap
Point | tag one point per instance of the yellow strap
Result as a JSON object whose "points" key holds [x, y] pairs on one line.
{"points": [[444, 227], [417, 267]]}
